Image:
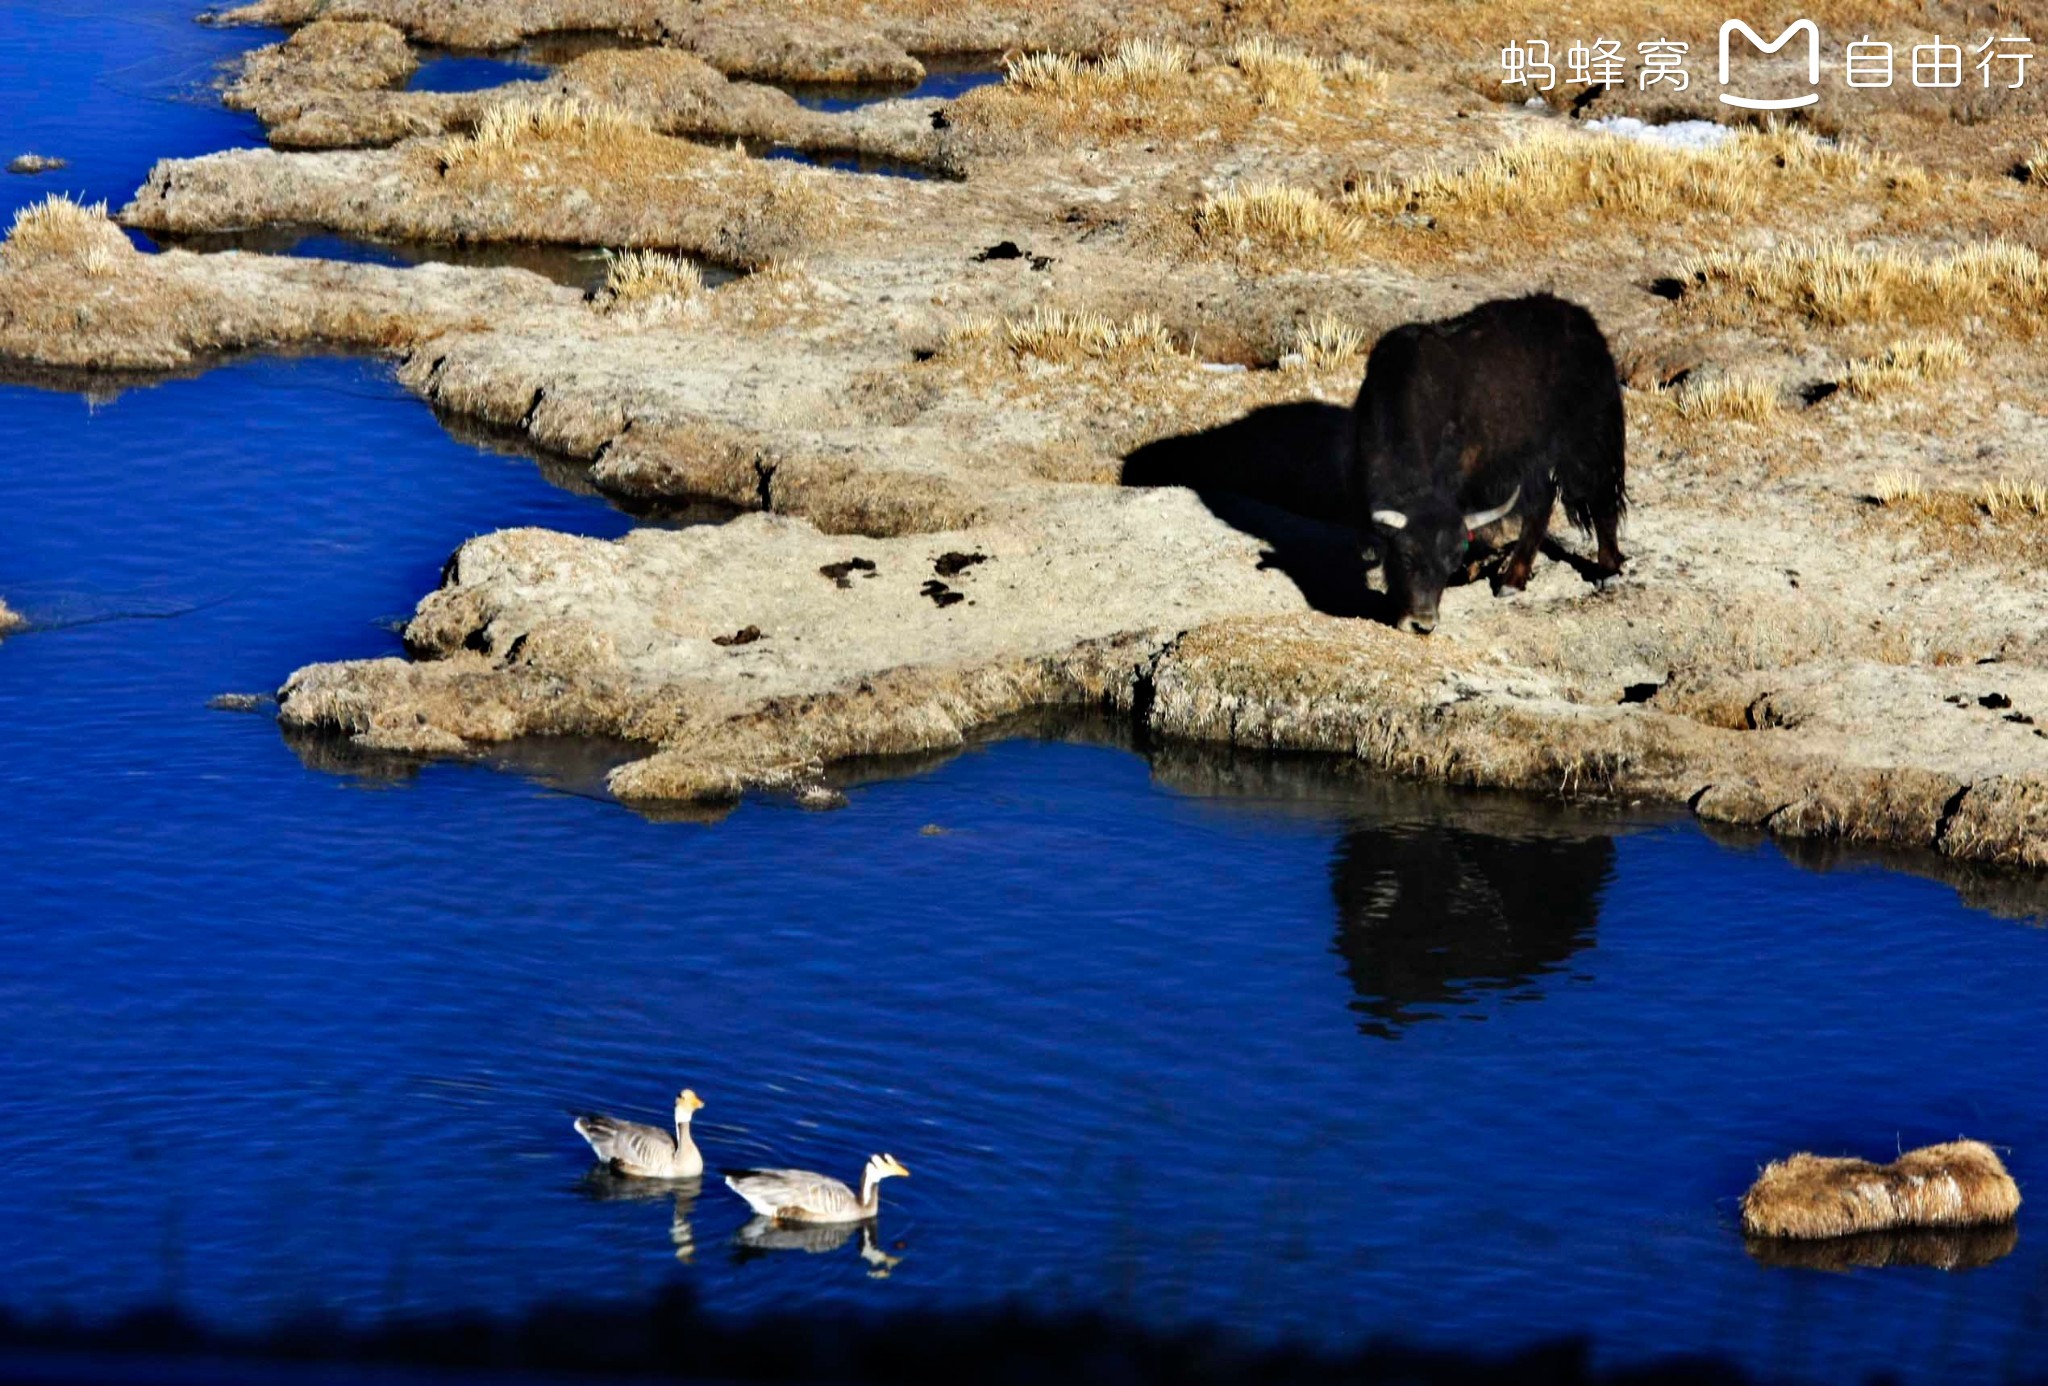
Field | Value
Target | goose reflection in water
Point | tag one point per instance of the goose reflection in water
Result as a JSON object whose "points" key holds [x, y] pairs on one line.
{"points": [[1430, 915], [602, 1185], [764, 1235]]}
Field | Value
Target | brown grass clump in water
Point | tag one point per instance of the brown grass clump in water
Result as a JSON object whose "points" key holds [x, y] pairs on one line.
{"points": [[1958, 1184], [1741, 398], [1835, 284], [648, 283], [9, 619], [1905, 363], [57, 230]]}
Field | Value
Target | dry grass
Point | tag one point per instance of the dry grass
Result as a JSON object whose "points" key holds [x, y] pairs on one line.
{"points": [[648, 283], [1289, 78], [1062, 337], [1326, 343], [1551, 184], [1136, 67], [1896, 486], [1835, 284], [1274, 217], [1903, 364], [57, 230], [2015, 498], [511, 133], [1727, 398], [1959, 1184]]}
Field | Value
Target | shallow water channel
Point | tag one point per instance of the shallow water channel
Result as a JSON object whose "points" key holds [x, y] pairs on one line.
{"points": [[1182, 1036]]}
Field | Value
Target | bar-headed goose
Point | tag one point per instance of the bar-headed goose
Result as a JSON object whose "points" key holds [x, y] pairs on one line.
{"points": [[797, 1195], [646, 1152]]}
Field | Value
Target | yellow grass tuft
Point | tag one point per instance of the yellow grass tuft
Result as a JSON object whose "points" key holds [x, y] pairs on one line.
{"points": [[516, 128], [2011, 497], [1135, 67], [1903, 364], [1326, 342], [1063, 337], [1280, 75], [57, 230], [1274, 216], [1737, 398], [1959, 1184], [1833, 283], [1896, 486], [648, 282], [1552, 179]]}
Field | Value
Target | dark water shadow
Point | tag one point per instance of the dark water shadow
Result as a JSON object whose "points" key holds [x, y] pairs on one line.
{"points": [[2018, 895], [764, 1236], [1936, 1248], [679, 1196], [1282, 475], [669, 1337], [1431, 916], [1443, 897]]}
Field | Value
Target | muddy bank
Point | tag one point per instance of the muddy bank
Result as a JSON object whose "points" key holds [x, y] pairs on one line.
{"points": [[1829, 628]]}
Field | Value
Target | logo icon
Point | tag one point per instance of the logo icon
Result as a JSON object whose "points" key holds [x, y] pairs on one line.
{"points": [[1781, 103]]}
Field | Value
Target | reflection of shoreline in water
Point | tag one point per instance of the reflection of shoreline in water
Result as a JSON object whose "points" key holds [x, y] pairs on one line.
{"points": [[602, 1185], [1941, 1248], [764, 1235]]}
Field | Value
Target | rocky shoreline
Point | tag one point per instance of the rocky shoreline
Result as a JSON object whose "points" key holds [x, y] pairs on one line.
{"points": [[943, 378]]}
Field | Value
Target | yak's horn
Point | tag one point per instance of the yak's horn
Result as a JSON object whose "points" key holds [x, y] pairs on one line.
{"points": [[1390, 519], [1486, 517]]}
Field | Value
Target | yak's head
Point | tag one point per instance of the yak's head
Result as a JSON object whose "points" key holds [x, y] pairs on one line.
{"points": [[1423, 546]]}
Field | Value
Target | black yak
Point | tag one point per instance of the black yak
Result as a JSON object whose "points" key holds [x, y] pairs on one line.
{"points": [[1460, 423]]}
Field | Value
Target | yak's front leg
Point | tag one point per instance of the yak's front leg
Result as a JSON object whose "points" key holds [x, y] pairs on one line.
{"points": [[1535, 516]]}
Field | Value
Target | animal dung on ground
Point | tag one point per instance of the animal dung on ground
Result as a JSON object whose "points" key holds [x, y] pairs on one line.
{"points": [[942, 596], [1956, 1184], [842, 573], [739, 637], [953, 564]]}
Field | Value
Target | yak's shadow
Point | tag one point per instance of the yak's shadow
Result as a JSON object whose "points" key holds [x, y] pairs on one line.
{"points": [[1281, 475]]}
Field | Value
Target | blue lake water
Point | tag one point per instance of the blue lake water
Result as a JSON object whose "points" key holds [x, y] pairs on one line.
{"points": [[1182, 1037], [945, 79], [471, 72]]}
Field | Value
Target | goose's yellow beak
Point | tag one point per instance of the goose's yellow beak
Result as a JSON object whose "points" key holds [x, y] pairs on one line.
{"points": [[689, 1101]]}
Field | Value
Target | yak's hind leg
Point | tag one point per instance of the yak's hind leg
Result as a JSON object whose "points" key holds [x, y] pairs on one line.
{"points": [[1538, 499], [1610, 559]]}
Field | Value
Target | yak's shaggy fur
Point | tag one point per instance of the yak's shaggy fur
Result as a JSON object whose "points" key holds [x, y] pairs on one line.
{"points": [[1957, 1184]]}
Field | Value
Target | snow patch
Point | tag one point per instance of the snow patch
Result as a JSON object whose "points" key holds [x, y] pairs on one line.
{"points": [[1679, 134]]}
